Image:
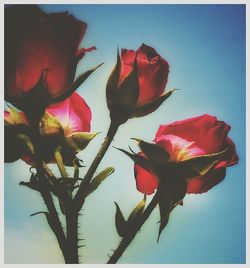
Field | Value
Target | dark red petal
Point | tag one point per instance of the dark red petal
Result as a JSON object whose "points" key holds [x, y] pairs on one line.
{"points": [[146, 182], [153, 74], [149, 52], [202, 184], [231, 155], [81, 52], [35, 41], [127, 61], [73, 113]]}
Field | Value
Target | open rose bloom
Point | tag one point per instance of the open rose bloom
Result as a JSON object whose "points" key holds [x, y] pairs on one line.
{"points": [[187, 139], [36, 41], [65, 124]]}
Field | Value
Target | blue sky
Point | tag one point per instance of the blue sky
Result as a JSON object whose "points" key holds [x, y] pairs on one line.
{"points": [[205, 47]]}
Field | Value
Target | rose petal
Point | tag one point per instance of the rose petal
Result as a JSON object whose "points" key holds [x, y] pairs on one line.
{"points": [[73, 113], [179, 149], [35, 41], [202, 184], [153, 74], [207, 133], [146, 182]]}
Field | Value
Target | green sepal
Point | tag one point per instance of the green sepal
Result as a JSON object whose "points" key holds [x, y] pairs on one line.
{"points": [[79, 140], [151, 106], [95, 183], [50, 126], [137, 211], [199, 165], [165, 207], [73, 87], [153, 152], [140, 160], [120, 222], [26, 141], [14, 118], [112, 83], [128, 91]]}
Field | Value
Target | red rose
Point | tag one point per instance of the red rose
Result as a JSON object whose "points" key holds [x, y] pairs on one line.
{"points": [[136, 85], [152, 72], [36, 41], [65, 124], [185, 139]]}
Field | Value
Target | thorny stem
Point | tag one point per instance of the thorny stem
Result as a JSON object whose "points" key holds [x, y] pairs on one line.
{"points": [[72, 234], [54, 223], [80, 195], [129, 238]]}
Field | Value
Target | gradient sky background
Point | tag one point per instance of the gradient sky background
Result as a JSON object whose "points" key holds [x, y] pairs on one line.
{"points": [[205, 47]]}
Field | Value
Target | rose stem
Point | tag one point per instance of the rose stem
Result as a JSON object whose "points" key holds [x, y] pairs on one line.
{"points": [[54, 223], [72, 234], [79, 197], [73, 209], [129, 238]]}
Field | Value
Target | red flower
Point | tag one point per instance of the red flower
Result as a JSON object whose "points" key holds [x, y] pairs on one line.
{"points": [[35, 41], [152, 72], [136, 85], [185, 139], [65, 124]]}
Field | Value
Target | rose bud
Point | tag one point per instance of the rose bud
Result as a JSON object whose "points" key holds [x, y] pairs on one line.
{"points": [[65, 125], [199, 149], [136, 85], [41, 55]]}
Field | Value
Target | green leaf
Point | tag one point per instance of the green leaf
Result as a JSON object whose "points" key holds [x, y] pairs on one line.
{"points": [[151, 106], [137, 211], [95, 183], [79, 140], [120, 222], [73, 87], [199, 165], [153, 152]]}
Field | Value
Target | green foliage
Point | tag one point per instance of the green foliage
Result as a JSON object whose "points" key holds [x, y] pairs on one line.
{"points": [[120, 222], [137, 211], [95, 183]]}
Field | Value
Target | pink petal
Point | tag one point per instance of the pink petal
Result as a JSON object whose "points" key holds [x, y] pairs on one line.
{"points": [[73, 113], [179, 149]]}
